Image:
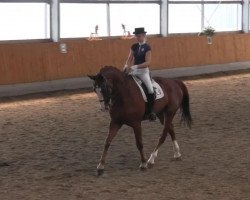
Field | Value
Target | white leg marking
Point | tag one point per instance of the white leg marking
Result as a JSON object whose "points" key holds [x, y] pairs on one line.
{"points": [[153, 155], [176, 148], [100, 166]]}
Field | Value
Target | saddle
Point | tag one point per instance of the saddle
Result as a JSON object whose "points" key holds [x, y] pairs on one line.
{"points": [[157, 89]]}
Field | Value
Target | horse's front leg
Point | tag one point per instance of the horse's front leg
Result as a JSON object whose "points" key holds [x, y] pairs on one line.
{"points": [[138, 138], [113, 129]]}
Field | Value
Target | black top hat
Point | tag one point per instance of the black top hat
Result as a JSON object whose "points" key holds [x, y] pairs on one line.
{"points": [[139, 31]]}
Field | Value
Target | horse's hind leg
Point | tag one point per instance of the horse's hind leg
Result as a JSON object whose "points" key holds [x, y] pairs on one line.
{"points": [[161, 117], [168, 118], [176, 148]]}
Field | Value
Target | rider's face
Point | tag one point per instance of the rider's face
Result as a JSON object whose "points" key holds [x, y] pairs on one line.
{"points": [[140, 37]]}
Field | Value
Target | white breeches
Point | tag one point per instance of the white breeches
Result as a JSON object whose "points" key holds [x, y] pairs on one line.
{"points": [[143, 74]]}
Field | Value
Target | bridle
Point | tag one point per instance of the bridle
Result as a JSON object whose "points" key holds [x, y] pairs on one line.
{"points": [[106, 93]]}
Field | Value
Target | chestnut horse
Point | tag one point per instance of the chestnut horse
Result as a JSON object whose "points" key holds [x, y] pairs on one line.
{"points": [[119, 94]]}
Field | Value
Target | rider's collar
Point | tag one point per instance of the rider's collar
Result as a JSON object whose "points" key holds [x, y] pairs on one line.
{"points": [[141, 43]]}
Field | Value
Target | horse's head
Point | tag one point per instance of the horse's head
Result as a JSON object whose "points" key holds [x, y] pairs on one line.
{"points": [[105, 83], [103, 88]]}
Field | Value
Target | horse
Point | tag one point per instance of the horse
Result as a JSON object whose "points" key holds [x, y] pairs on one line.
{"points": [[120, 95]]}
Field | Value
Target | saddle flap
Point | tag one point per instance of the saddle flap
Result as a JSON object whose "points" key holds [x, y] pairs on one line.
{"points": [[157, 89]]}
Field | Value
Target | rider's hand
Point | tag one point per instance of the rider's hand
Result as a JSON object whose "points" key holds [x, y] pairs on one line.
{"points": [[125, 67], [134, 67]]}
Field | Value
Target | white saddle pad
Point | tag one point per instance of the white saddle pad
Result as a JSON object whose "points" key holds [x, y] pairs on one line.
{"points": [[157, 88]]}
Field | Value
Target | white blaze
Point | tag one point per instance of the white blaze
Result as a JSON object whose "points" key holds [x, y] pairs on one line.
{"points": [[100, 97]]}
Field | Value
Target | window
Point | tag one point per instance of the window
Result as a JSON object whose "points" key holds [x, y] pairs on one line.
{"points": [[187, 17], [223, 17], [79, 20], [31, 20], [184, 18], [24, 21], [134, 15]]}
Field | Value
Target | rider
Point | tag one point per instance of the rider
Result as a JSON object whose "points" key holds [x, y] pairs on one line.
{"points": [[140, 58]]}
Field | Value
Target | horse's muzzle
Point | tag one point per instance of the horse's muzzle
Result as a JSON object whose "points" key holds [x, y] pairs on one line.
{"points": [[105, 109]]}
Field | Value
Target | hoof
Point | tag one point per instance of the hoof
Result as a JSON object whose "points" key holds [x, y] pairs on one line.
{"points": [[143, 167], [100, 172], [150, 165], [177, 159]]}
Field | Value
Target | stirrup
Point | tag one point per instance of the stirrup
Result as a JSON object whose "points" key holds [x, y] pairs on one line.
{"points": [[152, 116]]}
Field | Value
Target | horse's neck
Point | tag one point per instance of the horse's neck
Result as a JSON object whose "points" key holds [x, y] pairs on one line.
{"points": [[123, 91], [119, 90]]}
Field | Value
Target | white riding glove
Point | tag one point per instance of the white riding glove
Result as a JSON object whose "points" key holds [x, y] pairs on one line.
{"points": [[134, 67], [133, 70], [125, 67]]}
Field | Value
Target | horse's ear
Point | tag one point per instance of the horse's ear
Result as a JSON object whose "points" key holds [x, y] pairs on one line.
{"points": [[93, 77]]}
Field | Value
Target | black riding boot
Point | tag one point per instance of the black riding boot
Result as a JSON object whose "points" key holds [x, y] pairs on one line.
{"points": [[151, 100]]}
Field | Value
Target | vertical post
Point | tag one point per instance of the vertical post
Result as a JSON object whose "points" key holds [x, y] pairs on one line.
{"points": [[202, 16], [164, 18], [46, 21], [55, 20], [108, 19], [245, 16]]}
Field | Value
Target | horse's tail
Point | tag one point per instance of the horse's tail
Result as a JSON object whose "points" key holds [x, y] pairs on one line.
{"points": [[185, 106]]}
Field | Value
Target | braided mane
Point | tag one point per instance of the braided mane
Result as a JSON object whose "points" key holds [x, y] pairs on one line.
{"points": [[109, 68]]}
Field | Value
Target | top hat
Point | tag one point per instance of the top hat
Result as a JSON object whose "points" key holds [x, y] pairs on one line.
{"points": [[139, 31]]}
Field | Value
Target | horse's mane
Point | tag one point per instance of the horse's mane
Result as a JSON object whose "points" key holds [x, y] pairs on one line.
{"points": [[112, 72], [110, 68]]}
